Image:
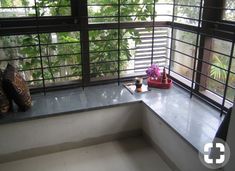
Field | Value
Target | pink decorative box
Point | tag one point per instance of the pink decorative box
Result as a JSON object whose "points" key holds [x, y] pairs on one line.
{"points": [[158, 83]]}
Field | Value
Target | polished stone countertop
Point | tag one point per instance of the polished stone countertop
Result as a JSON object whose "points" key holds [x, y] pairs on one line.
{"points": [[191, 118]]}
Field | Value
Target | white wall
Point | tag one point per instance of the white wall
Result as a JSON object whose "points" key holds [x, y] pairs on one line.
{"points": [[68, 128], [231, 142], [176, 148], [78, 127]]}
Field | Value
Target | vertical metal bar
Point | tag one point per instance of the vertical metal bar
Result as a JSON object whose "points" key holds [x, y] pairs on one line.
{"points": [[197, 49], [77, 15], [74, 8], [153, 31], [84, 39], [227, 78], [172, 32], [119, 36], [40, 48]]}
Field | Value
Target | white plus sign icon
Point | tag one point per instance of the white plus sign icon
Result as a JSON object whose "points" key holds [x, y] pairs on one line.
{"points": [[215, 154], [207, 149]]}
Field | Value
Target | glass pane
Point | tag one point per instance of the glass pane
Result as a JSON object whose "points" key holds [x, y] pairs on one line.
{"points": [[233, 65], [230, 94], [54, 7], [135, 51], [161, 51], [221, 46], [102, 11], [26, 8], [185, 36], [23, 52], [187, 15], [12, 8], [231, 81], [60, 56], [234, 52], [219, 61], [164, 10], [184, 60], [216, 69], [183, 53], [188, 2], [231, 90], [105, 45], [103, 54], [136, 47], [187, 11], [138, 57], [182, 71], [140, 12], [185, 48], [229, 12], [215, 87]]}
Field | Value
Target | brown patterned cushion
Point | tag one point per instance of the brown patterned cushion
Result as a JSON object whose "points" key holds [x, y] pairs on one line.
{"points": [[16, 88], [4, 102]]}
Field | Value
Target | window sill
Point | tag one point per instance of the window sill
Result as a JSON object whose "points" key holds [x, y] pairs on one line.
{"points": [[193, 120]]}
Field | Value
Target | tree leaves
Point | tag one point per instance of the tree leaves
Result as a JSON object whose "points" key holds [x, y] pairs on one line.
{"points": [[216, 72], [59, 49]]}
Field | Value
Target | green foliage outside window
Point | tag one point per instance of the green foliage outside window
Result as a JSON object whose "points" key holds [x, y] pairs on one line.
{"points": [[60, 52], [107, 11], [55, 54]]}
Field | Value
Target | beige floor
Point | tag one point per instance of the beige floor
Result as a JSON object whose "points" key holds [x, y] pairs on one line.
{"points": [[132, 154]]}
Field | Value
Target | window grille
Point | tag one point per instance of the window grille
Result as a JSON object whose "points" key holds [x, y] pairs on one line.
{"points": [[67, 43]]}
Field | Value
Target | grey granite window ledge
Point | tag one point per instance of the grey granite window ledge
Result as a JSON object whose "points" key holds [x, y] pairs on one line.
{"points": [[70, 101], [192, 119]]}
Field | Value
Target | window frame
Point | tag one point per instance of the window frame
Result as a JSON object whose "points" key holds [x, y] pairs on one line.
{"points": [[210, 23]]}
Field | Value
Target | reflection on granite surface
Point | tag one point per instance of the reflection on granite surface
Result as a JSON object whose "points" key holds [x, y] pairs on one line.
{"points": [[67, 101], [191, 118]]}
